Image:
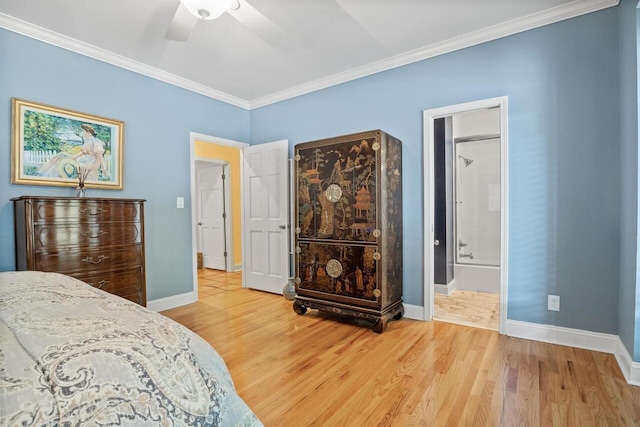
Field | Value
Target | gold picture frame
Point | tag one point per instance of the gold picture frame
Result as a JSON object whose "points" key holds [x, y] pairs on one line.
{"points": [[51, 144]]}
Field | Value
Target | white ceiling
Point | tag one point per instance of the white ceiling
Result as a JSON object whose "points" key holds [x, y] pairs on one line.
{"points": [[326, 41]]}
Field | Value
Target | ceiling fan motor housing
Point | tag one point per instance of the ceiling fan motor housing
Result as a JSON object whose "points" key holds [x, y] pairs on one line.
{"points": [[210, 9]]}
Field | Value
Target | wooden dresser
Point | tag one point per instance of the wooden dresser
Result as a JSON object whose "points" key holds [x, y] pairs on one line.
{"points": [[349, 227], [99, 241]]}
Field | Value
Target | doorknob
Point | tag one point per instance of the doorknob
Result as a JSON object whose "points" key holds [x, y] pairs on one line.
{"points": [[283, 227], [199, 223], [436, 242]]}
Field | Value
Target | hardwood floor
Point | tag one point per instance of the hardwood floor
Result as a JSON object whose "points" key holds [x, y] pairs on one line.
{"points": [[212, 282], [478, 309], [311, 370]]}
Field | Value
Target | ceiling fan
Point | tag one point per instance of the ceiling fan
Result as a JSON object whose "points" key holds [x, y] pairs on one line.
{"points": [[189, 12]]}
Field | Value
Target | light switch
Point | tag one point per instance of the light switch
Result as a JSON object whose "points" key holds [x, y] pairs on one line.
{"points": [[180, 202]]}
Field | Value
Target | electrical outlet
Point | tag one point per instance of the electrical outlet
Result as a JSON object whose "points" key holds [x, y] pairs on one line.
{"points": [[180, 202], [553, 303]]}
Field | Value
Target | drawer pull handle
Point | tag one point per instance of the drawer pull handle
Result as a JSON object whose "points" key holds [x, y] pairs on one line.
{"points": [[98, 211], [94, 236], [101, 283], [89, 259]]}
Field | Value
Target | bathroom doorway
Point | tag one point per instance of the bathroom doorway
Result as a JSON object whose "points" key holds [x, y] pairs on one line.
{"points": [[465, 214]]}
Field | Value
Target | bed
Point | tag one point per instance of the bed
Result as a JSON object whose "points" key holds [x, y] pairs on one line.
{"points": [[71, 354]]}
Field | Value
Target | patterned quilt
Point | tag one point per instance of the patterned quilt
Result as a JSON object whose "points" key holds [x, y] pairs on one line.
{"points": [[74, 355]]}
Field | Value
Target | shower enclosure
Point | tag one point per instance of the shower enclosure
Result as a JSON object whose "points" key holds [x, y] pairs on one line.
{"points": [[476, 212], [477, 195]]}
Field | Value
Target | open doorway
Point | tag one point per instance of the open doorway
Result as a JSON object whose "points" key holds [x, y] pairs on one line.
{"points": [[212, 158], [466, 214], [258, 209], [215, 242]]}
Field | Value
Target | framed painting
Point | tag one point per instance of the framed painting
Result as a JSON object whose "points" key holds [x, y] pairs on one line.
{"points": [[55, 146]]}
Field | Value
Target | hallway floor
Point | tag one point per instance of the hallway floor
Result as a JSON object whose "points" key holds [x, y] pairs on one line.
{"points": [[212, 282], [470, 308]]}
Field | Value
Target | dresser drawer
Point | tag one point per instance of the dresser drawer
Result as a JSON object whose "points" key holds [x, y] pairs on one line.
{"points": [[84, 211], [89, 259], [126, 283], [68, 235]]}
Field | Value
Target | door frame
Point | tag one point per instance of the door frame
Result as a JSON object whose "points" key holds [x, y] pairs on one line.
{"points": [[193, 137], [228, 237], [429, 198]]}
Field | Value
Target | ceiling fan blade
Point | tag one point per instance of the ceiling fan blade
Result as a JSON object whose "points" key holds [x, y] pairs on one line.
{"points": [[257, 23], [181, 25]]}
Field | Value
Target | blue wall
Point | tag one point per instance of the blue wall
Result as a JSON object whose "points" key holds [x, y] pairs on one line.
{"points": [[158, 118], [628, 172], [562, 81], [636, 352]]}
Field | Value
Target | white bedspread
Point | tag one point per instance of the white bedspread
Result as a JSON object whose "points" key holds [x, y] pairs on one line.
{"points": [[74, 355]]}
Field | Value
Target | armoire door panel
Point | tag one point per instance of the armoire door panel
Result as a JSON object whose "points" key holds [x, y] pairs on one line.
{"points": [[337, 187], [339, 271]]}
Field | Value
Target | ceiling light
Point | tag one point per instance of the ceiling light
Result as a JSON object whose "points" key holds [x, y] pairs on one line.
{"points": [[210, 9]]}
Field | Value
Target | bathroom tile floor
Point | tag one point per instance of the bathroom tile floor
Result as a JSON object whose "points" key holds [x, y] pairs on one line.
{"points": [[470, 308]]}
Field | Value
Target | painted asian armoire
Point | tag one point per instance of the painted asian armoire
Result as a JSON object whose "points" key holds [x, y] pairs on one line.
{"points": [[348, 250]]}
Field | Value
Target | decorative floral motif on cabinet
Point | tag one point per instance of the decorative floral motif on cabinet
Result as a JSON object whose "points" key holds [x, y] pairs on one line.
{"points": [[346, 270], [337, 191]]}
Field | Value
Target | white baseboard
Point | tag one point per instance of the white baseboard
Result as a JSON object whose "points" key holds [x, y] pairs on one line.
{"points": [[441, 289], [172, 302], [596, 341], [587, 340], [237, 267], [415, 312], [629, 368], [445, 289]]}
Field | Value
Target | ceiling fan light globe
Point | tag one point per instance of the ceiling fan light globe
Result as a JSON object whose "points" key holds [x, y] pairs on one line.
{"points": [[204, 13], [208, 9]]}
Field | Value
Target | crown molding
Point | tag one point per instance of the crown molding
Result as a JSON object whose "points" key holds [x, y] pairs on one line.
{"points": [[529, 22], [550, 16], [42, 34]]}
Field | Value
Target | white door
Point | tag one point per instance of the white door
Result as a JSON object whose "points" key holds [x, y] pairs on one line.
{"points": [[211, 216], [266, 223]]}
